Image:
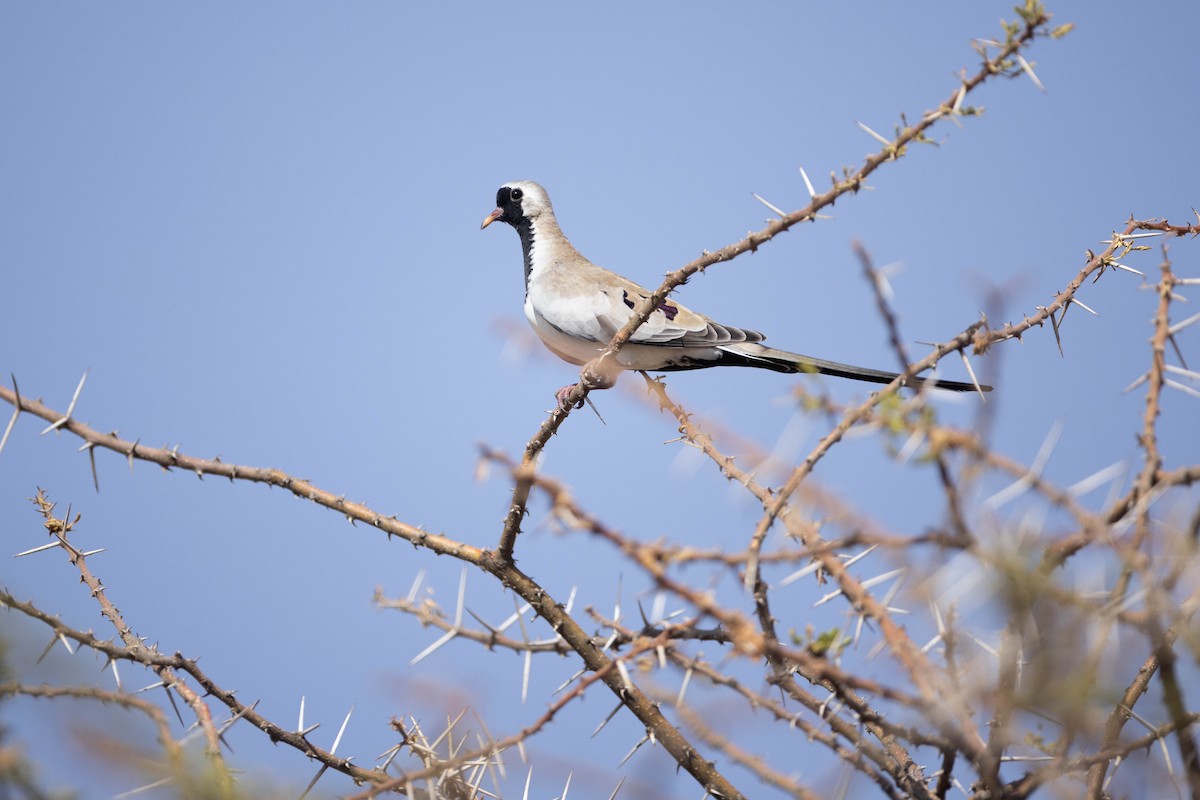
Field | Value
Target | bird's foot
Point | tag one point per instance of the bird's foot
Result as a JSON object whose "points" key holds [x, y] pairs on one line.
{"points": [[563, 396], [596, 374]]}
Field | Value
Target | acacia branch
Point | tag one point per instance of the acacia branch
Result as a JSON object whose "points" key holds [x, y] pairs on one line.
{"points": [[592, 375], [505, 571], [170, 459]]}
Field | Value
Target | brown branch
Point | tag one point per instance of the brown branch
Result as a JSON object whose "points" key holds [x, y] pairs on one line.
{"points": [[594, 658], [155, 714], [61, 529], [1163, 655], [503, 569], [154, 659], [915, 663], [577, 691], [173, 459], [748, 642], [861, 754], [851, 183], [1095, 530], [1092, 525], [1027, 784], [596, 372], [891, 324], [750, 761], [783, 659]]}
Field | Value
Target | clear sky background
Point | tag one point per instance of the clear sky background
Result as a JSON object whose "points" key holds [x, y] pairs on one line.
{"points": [[256, 226]]}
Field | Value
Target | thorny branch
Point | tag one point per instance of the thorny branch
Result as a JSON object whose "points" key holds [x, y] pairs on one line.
{"points": [[594, 656], [927, 706], [1034, 24], [1094, 526], [738, 631]]}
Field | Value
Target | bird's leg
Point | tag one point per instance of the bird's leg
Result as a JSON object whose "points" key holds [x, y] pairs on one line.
{"points": [[600, 373]]}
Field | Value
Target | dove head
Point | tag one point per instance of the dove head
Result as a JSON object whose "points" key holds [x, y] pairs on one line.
{"points": [[520, 201]]}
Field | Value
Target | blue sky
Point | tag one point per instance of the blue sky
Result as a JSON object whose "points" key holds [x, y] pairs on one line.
{"points": [[256, 226]]}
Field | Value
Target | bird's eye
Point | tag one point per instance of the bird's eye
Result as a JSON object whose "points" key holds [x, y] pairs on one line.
{"points": [[516, 194]]}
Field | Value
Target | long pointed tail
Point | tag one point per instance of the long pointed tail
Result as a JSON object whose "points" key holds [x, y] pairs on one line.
{"points": [[757, 355]]}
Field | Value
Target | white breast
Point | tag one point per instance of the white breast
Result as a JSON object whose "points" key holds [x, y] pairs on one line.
{"points": [[568, 348]]}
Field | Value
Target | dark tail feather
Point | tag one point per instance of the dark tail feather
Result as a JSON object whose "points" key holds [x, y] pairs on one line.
{"points": [[782, 361]]}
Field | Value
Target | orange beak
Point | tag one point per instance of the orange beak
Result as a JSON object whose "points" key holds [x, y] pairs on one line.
{"points": [[490, 218]]}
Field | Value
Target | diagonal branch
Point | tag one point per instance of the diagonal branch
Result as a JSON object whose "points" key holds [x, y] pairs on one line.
{"points": [[998, 64], [704, 771]]}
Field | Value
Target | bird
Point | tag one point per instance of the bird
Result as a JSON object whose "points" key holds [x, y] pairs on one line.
{"points": [[575, 308]]}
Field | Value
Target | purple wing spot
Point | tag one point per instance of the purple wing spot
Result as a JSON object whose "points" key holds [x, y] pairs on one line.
{"points": [[669, 310]]}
